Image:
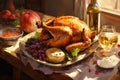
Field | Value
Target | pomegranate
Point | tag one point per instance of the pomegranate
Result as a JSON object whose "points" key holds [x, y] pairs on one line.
{"points": [[30, 21]]}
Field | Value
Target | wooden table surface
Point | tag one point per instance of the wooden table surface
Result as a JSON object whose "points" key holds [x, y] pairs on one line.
{"points": [[18, 66]]}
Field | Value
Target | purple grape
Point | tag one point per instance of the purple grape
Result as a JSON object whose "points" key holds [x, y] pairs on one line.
{"points": [[36, 49], [31, 41]]}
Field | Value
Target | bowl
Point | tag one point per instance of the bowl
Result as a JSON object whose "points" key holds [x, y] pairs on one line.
{"points": [[10, 35]]}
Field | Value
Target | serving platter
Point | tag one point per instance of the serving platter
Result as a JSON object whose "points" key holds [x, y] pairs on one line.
{"points": [[63, 65]]}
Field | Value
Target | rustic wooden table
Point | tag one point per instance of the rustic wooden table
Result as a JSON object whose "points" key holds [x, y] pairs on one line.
{"points": [[18, 66]]}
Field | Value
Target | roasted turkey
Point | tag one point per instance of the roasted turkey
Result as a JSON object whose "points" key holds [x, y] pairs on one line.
{"points": [[56, 36], [66, 31]]}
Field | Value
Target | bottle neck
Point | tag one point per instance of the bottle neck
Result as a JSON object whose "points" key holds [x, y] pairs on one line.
{"points": [[93, 1]]}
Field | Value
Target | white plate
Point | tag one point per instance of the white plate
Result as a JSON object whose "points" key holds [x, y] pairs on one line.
{"points": [[108, 62]]}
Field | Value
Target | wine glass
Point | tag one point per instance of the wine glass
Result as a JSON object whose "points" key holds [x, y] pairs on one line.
{"points": [[107, 39]]}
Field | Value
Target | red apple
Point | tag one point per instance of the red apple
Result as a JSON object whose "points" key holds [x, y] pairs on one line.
{"points": [[30, 21], [5, 14]]}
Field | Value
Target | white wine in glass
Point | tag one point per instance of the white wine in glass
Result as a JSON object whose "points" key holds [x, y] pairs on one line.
{"points": [[107, 38]]}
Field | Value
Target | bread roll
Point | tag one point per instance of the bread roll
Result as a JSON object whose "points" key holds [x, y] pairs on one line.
{"points": [[55, 55]]}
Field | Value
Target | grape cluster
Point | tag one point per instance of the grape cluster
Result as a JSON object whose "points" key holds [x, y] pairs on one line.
{"points": [[31, 41], [36, 49]]}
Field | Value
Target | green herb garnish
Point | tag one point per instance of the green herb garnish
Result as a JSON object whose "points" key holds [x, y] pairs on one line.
{"points": [[75, 52], [37, 34]]}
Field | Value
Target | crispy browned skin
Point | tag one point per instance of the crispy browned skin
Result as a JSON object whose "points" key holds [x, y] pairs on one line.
{"points": [[81, 45], [75, 24], [56, 36], [67, 31]]}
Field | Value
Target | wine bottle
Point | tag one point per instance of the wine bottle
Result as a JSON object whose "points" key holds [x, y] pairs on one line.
{"points": [[93, 16]]}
